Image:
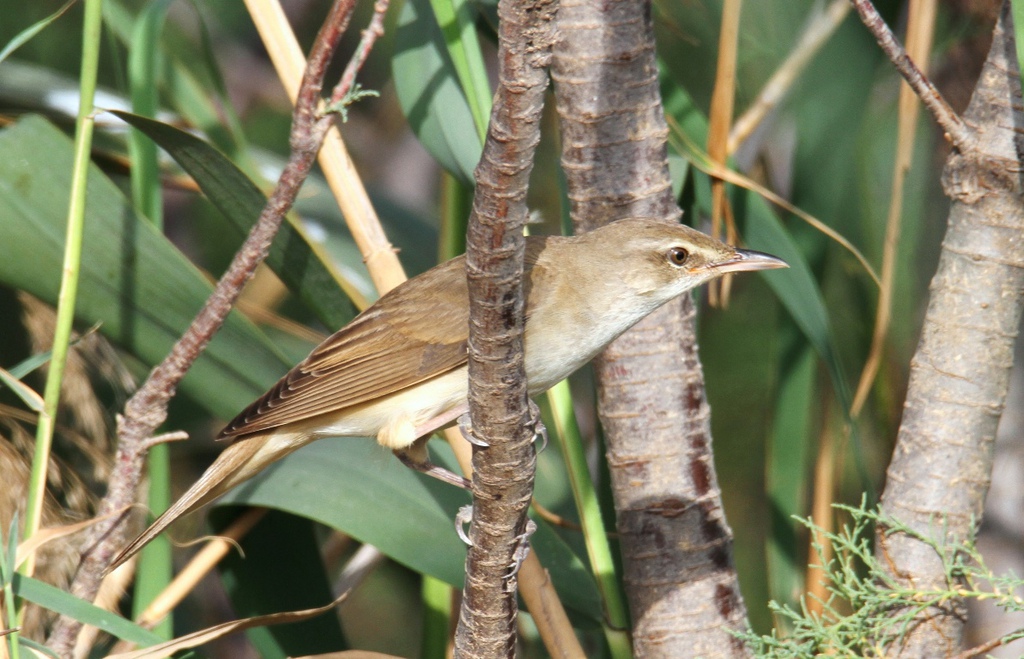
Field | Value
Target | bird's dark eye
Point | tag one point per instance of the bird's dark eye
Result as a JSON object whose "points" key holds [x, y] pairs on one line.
{"points": [[677, 256]]}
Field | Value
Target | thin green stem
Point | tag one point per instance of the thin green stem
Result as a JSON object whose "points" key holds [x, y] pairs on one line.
{"points": [[12, 621], [437, 617], [155, 570], [1017, 7], [72, 262], [456, 201], [588, 506], [69, 282], [143, 63], [8, 553], [594, 534]]}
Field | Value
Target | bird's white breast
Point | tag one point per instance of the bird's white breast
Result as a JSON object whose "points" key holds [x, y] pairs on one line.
{"points": [[575, 334]]}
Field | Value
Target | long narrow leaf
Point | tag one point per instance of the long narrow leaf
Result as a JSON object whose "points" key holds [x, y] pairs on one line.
{"points": [[789, 456], [9, 556], [26, 35], [26, 393], [134, 281], [65, 603], [346, 483], [455, 18], [52, 533], [204, 636], [31, 363], [183, 86], [38, 648], [297, 259], [430, 94], [143, 57]]}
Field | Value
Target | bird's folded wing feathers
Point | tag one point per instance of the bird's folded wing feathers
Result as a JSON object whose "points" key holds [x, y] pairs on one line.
{"points": [[409, 336]]}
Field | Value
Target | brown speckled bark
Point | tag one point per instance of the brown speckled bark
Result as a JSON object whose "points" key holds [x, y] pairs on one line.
{"points": [[681, 583]]}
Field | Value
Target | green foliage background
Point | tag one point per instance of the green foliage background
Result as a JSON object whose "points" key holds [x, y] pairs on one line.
{"points": [[780, 361]]}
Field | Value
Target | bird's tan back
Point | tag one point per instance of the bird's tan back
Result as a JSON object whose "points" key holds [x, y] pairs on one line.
{"points": [[416, 332]]}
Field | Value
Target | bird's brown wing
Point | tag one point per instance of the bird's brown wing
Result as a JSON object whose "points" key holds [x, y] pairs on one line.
{"points": [[414, 333]]}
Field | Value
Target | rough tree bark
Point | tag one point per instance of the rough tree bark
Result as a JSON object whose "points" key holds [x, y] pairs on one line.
{"points": [[503, 471], [677, 547], [941, 466]]}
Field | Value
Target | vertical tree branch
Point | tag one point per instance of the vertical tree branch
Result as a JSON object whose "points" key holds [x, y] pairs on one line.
{"points": [[147, 408], [503, 472], [677, 548], [942, 462]]}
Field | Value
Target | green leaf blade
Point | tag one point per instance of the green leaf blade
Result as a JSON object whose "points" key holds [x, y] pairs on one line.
{"points": [[55, 599], [348, 484], [136, 283], [430, 94], [294, 256]]}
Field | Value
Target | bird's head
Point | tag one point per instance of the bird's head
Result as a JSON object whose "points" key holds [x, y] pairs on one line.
{"points": [[663, 260]]}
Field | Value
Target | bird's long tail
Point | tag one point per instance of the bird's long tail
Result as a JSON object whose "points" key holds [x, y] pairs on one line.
{"points": [[241, 460]]}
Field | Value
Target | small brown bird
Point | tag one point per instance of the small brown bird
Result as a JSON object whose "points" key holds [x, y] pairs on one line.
{"points": [[398, 371]]}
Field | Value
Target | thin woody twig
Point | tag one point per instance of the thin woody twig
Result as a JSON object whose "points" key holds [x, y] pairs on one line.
{"points": [[503, 472], [988, 646], [535, 585], [950, 121], [174, 436], [147, 408], [369, 37]]}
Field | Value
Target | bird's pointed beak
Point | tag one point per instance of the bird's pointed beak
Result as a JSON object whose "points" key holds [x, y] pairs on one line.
{"points": [[746, 260]]}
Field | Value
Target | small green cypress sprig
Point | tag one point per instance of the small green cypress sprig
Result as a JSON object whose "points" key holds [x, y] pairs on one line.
{"points": [[357, 93], [867, 611]]}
